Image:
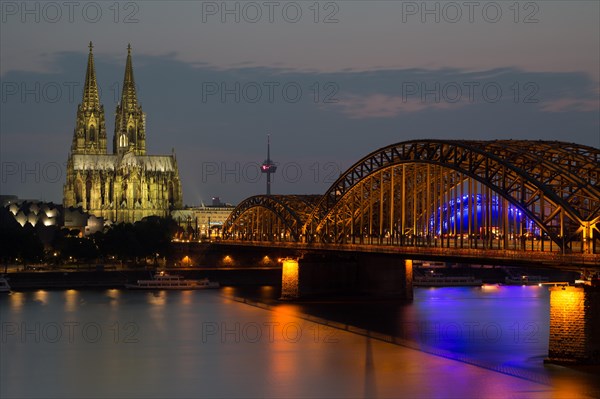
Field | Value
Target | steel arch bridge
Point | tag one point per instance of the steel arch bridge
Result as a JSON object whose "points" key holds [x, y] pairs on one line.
{"points": [[270, 217], [503, 194]]}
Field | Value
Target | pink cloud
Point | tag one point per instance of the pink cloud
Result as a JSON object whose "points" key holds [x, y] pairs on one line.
{"points": [[384, 106], [571, 105]]}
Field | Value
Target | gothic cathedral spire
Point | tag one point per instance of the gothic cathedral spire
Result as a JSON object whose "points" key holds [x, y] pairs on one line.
{"points": [[127, 185], [90, 88], [130, 120], [90, 131]]}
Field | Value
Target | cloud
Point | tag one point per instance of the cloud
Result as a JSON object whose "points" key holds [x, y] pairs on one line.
{"points": [[219, 135], [385, 106], [571, 105]]}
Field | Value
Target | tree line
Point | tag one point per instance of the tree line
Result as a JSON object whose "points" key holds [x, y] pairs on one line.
{"points": [[54, 245]]}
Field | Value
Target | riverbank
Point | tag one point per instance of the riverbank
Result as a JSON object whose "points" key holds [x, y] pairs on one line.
{"points": [[118, 278], [103, 276]]}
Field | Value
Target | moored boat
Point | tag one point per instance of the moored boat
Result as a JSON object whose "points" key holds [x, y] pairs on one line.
{"points": [[525, 280], [165, 281], [4, 287], [589, 279], [446, 281]]}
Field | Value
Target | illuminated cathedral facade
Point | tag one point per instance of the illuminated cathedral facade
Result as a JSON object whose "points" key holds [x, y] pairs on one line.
{"points": [[127, 184]]}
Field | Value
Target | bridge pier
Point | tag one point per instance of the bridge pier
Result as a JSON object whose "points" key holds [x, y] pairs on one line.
{"points": [[374, 274], [316, 274], [385, 275], [574, 325], [290, 287]]}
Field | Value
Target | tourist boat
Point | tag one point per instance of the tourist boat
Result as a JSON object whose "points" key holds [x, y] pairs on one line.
{"points": [[589, 279], [436, 280], [429, 264], [164, 281], [525, 280], [4, 287]]}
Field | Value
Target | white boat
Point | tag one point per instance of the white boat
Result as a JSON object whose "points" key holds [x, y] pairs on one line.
{"points": [[4, 287], [525, 280], [429, 264], [164, 281], [446, 281], [589, 279]]}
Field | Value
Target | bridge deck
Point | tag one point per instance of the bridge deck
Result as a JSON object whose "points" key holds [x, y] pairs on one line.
{"points": [[462, 255]]}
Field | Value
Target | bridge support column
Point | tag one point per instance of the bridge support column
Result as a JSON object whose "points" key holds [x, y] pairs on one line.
{"points": [[587, 237], [385, 275], [318, 275], [290, 279], [574, 325]]}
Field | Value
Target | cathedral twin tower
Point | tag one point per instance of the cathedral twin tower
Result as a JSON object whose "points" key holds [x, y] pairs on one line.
{"points": [[127, 185]]}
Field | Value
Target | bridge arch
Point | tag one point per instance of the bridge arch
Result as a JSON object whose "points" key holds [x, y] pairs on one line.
{"points": [[514, 191], [269, 217]]}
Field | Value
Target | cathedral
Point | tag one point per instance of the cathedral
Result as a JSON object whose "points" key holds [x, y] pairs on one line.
{"points": [[128, 184]]}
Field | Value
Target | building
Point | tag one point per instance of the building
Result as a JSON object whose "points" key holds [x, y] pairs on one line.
{"points": [[48, 214], [203, 222], [35, 212], [128, 184]]}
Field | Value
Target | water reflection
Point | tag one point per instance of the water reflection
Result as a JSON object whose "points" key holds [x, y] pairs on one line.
{"points": [[41, 297], [186, 297], [198, 343], [17, 299], [114, 295], [283, 333], [505, 325], [71, 299], [370, 380]]}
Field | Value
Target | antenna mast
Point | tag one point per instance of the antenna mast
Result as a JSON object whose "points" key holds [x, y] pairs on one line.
{"points": [[268, 166]]}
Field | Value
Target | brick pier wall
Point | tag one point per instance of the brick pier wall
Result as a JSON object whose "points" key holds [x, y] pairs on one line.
{"points": [[574, 325]]}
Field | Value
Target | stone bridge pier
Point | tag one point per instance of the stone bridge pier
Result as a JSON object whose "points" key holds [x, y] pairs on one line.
{"points": [[322, 274], [574, 325]]}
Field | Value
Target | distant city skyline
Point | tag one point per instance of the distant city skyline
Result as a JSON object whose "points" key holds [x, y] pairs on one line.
{"points": [[330, 83]]}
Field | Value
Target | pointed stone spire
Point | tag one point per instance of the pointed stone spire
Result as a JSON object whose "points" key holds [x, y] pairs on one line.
{"points": [[89, 136], [130, 121], [90, 88], [129, 96]]}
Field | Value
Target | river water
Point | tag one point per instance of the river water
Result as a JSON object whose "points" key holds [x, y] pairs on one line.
{"points": [[450, 342]]}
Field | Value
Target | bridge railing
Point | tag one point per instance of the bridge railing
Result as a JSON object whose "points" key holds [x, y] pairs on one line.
{"points": [[592, 260]]}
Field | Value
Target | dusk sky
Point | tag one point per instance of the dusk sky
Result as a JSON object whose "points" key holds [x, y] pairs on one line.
{"points": [[330, 81]]}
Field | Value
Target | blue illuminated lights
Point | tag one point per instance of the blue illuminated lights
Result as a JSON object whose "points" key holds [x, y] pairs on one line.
{"points": [[455, 213]]}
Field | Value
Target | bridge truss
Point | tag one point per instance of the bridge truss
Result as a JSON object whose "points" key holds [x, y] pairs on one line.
{"points": [[508, 195], [270, 217]]}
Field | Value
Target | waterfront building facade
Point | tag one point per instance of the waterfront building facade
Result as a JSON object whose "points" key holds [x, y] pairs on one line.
{"points": [[203, 222]]}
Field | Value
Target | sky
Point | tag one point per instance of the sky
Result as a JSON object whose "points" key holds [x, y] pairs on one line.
{"points": [[330, 81]]}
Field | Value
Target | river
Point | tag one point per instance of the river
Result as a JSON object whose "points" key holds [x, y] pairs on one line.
{"points": [[450, 342]]}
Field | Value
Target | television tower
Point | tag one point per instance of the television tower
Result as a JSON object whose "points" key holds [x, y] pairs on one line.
{"points": [[268, 166]]}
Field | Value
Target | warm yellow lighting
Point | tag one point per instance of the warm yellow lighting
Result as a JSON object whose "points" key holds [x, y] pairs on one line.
{"points": [[266, 260], [186, 297], [41, 296], [114, 294], [16, 300], [186, 261], [289, 279], [490, 286], [71, 300]]}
